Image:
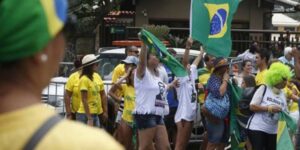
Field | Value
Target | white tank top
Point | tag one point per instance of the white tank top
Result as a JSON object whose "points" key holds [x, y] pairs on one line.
{"points": [[150, 94], [265, 121]]}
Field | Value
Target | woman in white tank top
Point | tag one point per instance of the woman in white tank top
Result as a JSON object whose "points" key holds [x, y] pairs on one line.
{"points": [[187, 99], [151, 104]]}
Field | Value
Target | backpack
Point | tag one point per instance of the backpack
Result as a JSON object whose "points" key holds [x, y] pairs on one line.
{"points": [[247, 95]]}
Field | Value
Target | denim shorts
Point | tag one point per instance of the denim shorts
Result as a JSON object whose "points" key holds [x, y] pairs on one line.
{"points": [[83, 118], [217, 132], [147, 121]]}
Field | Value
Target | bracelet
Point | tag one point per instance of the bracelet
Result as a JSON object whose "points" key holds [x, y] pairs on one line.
{"points": [[270, 109]]}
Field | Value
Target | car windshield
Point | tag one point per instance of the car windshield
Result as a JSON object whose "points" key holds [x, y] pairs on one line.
{"points": [[107, 64]]}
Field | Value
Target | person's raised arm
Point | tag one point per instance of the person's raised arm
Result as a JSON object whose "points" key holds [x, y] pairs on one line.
{"points": [[199, 57], [296, 54], [140, 71], [185, 59], [224, 84]]}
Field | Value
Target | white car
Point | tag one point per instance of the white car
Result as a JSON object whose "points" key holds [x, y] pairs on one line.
{"points": [[53, 94]]}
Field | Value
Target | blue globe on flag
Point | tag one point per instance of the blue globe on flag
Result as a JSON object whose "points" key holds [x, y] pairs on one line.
{"points": [[218, 21]]}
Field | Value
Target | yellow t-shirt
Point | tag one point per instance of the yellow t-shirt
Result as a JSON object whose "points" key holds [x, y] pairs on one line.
{"points": [[129, 102], [293, 107], [203, 80], [260, 77], [100, 85], [118, 72], [18, 126], [72, 86], [93, 95]]}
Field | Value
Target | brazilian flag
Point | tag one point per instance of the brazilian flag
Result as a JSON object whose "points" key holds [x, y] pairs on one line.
{"points": [[286, 126], [159, 49], [210, 24], [235, 93]]}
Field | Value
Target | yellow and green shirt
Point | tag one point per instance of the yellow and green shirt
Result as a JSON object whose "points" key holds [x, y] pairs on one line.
{"points": [[93, 95], [118, 72], [19, 125], [260, 77], [129, 102], [72, 86], [293, 107], [203, 78]]}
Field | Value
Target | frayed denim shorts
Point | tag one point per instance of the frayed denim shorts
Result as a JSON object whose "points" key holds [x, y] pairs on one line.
{"points": [[147, 121]]}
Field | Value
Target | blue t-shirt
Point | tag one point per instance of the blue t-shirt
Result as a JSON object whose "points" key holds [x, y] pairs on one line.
{"points": [[173, 102]]}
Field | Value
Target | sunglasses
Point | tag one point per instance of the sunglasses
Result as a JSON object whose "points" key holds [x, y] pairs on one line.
{"points": [[135, 52]]}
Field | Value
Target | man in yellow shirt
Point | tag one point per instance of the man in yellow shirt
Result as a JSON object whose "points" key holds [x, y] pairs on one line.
{"points": [[29, 57], [119, 70], [204, 74], [262, 59]]}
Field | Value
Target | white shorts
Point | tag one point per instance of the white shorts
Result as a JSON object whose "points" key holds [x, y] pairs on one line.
{"points": [[186, 111]]}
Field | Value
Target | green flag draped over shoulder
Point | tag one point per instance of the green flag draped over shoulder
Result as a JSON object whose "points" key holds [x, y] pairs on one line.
{"points": [[235, 96], [210, 23], [159, 49], [286, 125]]}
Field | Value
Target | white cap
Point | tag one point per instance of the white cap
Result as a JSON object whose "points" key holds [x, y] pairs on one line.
{"points": [[131, 60]]}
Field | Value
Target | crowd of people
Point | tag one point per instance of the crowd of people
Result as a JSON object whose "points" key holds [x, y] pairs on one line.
{"points": [[154, 108]]}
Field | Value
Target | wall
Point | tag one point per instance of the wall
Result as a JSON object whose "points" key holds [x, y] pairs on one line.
{"points": [[162, 9], [248, 12]]}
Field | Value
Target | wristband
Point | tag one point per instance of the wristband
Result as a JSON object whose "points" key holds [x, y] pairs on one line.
{"points": [[270, 109]]}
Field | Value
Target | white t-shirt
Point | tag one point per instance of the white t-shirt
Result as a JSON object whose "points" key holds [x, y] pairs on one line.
{"points": [[150, 94], [187, 96], [265, 121], [163, 74]]}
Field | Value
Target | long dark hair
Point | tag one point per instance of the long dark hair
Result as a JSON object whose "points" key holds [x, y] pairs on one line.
{"points": [[220, 71], [128, 79], [88, 71]]}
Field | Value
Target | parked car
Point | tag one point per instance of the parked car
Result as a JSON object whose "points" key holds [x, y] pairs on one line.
{"points": [[53, 94]]}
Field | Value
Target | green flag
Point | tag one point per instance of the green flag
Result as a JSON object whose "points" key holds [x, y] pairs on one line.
{"points": [[210, 23], [235, 95], [286, 125], [159, 49]]}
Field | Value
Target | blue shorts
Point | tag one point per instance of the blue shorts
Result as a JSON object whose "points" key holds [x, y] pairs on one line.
{"points": [[147, 121], [217, 132]]}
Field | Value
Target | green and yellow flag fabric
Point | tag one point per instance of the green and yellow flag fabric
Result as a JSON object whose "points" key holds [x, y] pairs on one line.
{"points": [[26, 26], [159, 49], [235, 136], [210, 23], [286, 126]]}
